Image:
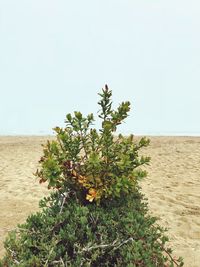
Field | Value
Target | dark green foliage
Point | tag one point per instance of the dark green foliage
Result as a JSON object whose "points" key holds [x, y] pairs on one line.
{"points": [[66, 233]]}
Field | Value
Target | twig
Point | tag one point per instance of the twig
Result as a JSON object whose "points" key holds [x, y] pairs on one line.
{"points": [[173, 260], [63, 201], [116, 246], [13, 254], [83, 143], [99, 246], [60, 261], [48, 257], [124, 242]]}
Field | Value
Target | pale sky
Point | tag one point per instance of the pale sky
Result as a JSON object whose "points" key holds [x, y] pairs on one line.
{"points": [[55, 56]]}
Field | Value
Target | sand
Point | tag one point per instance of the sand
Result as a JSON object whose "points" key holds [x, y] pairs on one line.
{"points": [[172, 187]]}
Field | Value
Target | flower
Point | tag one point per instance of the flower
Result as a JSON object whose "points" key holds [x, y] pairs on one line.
{"points": [[92, 194]]}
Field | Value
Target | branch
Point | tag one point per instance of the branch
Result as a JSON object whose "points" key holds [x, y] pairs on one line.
{"points": [[83, 143], [99, 246], [124, 242], [46, 263], [60, 261], [115, 245], [13, 255], [173, 260], [63, 201]]}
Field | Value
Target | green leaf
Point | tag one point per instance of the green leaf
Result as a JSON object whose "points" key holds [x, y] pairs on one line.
{"points": [[69, 117], [78, 115]]}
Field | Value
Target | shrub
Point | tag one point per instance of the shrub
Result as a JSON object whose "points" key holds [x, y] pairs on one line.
{"points": [[96, 214], [96, 165], [118, 233]]}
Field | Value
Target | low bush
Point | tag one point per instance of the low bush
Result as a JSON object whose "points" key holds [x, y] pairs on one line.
{"points": [[118, 233], [96, 214]]}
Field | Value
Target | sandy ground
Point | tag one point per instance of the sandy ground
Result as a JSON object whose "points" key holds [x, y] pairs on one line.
{"points": [[172, 187]]}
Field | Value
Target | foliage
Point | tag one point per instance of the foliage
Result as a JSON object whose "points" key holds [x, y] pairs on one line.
{"points": [[95, 214], [118, 233], [96, 165]]}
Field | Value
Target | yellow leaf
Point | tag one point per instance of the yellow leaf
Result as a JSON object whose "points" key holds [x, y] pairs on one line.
{"points": [[89, 197], [81, 179], [92, 194]]}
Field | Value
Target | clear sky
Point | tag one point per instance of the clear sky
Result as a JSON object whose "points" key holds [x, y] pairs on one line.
{"points": [[56, 55]]}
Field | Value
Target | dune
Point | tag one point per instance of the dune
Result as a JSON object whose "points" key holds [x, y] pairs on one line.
{"points": [[172, 188]]}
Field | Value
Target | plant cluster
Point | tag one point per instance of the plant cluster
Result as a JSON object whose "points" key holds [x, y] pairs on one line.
{"points": [[95, 214], [95, 165]]}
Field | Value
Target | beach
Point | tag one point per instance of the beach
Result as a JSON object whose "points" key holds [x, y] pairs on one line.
{"points": [[172, 188]]}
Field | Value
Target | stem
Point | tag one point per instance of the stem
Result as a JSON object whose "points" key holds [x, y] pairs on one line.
{"points": [[173, 260], [46, 263], [63, 201], [114, 245], [83, 143]]}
